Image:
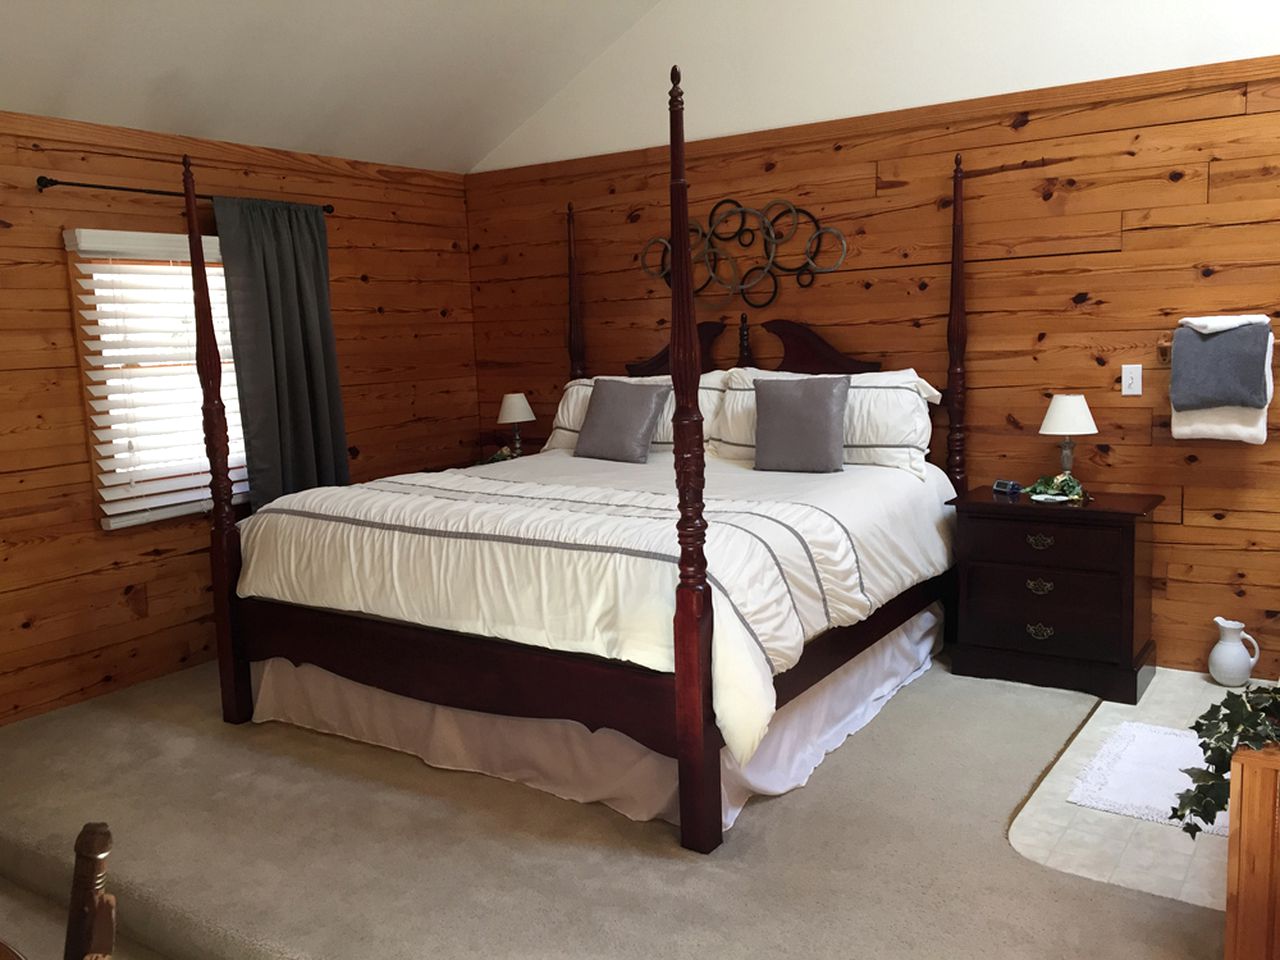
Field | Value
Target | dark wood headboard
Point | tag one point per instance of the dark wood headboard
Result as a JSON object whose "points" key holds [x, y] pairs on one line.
{"points": [[804, 349]]}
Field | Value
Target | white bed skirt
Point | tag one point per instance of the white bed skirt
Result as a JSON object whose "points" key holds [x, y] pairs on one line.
{"points": [[562, 757]]}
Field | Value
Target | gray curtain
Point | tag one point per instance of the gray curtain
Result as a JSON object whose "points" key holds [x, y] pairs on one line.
{"points": [[276, 260]]}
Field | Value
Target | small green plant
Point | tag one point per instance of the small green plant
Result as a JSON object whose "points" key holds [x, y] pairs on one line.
{"points": [[1247, 719], [1064, 484]]}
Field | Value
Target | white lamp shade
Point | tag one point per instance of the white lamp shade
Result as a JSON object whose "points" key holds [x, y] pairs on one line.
{"points": [[1068, 416], [515, 409]]}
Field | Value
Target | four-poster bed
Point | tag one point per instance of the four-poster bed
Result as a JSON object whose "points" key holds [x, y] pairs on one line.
{"points": [[672, 712]]}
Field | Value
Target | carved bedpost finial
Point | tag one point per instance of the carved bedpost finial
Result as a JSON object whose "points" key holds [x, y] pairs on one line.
{"points": [[745, 359], [959, 170], [91, 917], [675, 100]]}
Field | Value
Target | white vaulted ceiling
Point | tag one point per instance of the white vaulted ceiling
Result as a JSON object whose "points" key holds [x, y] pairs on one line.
{"points": [[468, 85], [424, 83]]}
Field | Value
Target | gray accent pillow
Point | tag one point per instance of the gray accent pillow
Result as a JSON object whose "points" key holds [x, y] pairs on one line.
{"points": [[800, 424], [621, 419]]}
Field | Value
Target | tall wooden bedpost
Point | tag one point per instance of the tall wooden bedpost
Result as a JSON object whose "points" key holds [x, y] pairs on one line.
{"points": [[957, 337], [577, 338], [224, 538], [697, 741]]}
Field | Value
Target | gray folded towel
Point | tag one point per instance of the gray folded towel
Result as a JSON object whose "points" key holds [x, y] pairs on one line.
{"points": [[1224, 369]]}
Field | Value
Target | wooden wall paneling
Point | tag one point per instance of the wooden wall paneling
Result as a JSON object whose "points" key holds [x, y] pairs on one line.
{"points": [[1263, 96], [1248, 178], [1097, 215], [83, 611]]}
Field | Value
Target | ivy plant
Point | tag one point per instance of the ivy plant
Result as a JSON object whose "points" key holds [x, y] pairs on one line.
{"points": [[1064, 484], [1250, 718]]}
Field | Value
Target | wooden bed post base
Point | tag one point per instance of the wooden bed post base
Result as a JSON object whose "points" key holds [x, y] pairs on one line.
{"points": [[233, 671], [697, 737]]}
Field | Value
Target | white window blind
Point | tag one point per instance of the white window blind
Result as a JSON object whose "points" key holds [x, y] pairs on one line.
{"points": [[138, 344]]}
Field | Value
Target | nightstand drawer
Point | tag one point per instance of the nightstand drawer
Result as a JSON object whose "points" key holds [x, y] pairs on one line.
{"points": [[1036, 592], [1030, 542], [1053, 634]]}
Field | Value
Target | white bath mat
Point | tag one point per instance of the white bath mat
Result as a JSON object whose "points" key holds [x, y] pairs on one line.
{"points": [[1138, 773]]}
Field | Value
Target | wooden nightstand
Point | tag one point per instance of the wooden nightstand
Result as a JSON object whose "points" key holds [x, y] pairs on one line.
{"points": [[1055, 594]]}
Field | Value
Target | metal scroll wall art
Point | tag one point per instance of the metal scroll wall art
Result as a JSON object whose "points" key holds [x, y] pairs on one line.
{"points": [[745, 251]]}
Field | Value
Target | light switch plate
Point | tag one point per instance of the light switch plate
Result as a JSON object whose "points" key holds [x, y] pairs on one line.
{"points": [[1131, 379]]}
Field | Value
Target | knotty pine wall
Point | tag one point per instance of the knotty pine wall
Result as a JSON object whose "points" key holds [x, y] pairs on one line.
{"points": [[81, 610], [1097, 216]]}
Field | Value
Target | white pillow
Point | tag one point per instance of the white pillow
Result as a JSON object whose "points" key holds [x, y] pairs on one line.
{"points": [[886, 422], [577, 396]]}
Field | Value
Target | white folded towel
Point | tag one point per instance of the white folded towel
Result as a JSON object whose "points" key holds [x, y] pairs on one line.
{"points": [[1207, 325], [1243, 424]]}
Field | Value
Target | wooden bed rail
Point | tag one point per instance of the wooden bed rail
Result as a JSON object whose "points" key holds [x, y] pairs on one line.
{"points": [[697, 741], [224, 538]]}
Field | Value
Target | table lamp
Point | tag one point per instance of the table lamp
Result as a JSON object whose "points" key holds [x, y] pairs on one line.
{"points": [[1068, 416], [515, 410]]}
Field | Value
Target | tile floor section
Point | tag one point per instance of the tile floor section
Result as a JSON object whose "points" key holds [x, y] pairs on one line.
{"points": [[1154, 857]]}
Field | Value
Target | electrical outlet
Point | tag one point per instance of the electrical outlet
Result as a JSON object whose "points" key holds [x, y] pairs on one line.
{"points": [[1131, 379]]}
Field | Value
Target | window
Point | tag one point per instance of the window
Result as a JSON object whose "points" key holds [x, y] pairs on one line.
{"points": [[138, 353]]}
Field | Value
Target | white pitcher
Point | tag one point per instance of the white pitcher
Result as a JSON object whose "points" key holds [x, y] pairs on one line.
{"points": [[1229, 661]]}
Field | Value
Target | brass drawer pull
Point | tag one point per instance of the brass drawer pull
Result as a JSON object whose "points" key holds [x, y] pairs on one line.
{"points": [[1039, 541], [1039, 631], [1040, 587]]}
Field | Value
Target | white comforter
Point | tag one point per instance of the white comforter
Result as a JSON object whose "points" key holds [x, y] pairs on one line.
{"points": [[580, 555]]}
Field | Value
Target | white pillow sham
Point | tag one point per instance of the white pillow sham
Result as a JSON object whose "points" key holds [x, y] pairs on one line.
{"points": [[577, 396], [886, 421]]}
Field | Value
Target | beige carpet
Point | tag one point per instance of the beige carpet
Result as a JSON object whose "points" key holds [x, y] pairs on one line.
{"points": [[272, 842]]}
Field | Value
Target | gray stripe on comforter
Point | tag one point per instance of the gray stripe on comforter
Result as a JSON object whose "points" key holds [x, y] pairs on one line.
{"points": [[672, 513]]}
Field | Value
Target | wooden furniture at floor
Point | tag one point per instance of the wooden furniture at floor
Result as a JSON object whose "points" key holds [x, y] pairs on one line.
{"points": [[1253, 856], [1056, 594], [91, 916], [669, 713]]}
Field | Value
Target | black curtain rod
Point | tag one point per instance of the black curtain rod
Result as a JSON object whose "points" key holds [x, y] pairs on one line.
{"points": [[44, 183]]}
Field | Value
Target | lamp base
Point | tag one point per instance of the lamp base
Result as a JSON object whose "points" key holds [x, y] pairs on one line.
{"points": [[1068, 454], [515, 440]]}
